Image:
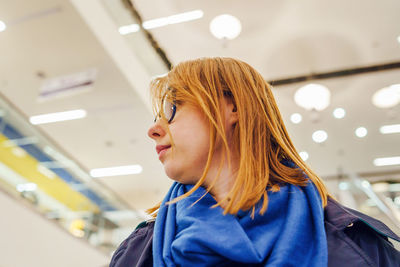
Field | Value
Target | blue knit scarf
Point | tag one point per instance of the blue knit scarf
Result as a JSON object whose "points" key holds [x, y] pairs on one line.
{"points": [[290, 233]]}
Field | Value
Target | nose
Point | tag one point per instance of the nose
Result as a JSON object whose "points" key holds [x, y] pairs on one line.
{"points": [[156, 130]]}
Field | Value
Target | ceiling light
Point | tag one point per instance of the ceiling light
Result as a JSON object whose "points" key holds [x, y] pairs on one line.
{"points": [[28, 187], [339, 113], [389, 129], [380, 187], [344, 186], [387, 161], [296, 118], [129, 29], [115, 171], [365, 184], [361, 132], [398, 38], [313, 96], [19, 152], [303, 155], [58, 116], [46, 172], [178, 18], [319, 136], [387, 97], [225, 27], [2, 26]]}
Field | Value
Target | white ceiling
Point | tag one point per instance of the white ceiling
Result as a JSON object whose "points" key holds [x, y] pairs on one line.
{"points": [[280, 38]]}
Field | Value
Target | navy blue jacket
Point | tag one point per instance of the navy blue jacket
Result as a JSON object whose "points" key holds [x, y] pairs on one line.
{"points": [[354, 239]]}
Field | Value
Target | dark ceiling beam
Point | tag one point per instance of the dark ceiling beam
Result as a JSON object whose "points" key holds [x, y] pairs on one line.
{"points": [[336, 74], [130, 6]]}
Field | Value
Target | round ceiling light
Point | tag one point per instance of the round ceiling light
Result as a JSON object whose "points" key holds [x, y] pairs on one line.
{"points": [[339, 113], [225, 27], [387, 97], [361, 132], [303, 155], [296, 118], [313, 96], [319, 136], [2, 26]]}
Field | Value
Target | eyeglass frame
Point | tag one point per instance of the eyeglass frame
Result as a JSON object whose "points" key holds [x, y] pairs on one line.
{"points": [[173, 109], [225, 93]]}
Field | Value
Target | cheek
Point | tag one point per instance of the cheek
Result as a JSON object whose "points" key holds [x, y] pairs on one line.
{"points": [[187, 161]]}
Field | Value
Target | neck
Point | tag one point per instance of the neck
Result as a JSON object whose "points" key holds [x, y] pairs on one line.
{"points": [[224, 182]]}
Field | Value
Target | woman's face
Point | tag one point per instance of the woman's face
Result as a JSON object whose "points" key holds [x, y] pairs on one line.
{"points": [[190, 132]]}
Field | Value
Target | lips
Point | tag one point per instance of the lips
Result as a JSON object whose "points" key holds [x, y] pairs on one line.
{"points": [[160, 148]]}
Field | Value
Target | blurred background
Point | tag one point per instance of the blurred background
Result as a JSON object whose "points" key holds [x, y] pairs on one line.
{"points": [[77, 170]]}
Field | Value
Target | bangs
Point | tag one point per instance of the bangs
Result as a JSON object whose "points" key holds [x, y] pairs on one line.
{"points": [[158, 88]]}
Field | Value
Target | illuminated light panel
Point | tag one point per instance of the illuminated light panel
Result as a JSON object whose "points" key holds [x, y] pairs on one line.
{"points": [[123, 30], [178, 18], [19, 152], [46, 172], [319, 136], [339, 113], [387, 161], [225, 27], [387, 97], [116, 171], [3, 26], [296, 118], [28, 187], [361, 132], [313, 96], [389, 129], [58, 116]]}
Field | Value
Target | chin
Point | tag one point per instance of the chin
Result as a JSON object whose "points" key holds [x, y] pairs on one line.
{"points": [[179, 177]]}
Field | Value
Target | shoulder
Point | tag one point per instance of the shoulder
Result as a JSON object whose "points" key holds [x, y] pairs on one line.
{"points": [[136, 250], [358, 239]]}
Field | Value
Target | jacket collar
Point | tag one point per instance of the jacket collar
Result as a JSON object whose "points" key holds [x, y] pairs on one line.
{"points": [[341, 217]]}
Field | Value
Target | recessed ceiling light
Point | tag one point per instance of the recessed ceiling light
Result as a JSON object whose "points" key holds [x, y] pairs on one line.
{"points": [[361, 132], [129, 29], [116, 171], [387, 97], [387, 161], [58, 116], [389, 129], [2, 26], [339, 113], [319, 136], [296, 118], [225, 27], [303, 155], [178, 18], [313, 96]]}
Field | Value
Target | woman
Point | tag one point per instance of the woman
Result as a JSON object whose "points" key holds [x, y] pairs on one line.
{"points": [[242, 196]]}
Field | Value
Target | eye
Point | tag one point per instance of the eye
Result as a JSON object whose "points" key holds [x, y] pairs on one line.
{"points": [[168, 109]]}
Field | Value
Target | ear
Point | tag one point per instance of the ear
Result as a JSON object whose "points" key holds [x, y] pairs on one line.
{"points": [[231, 114]]}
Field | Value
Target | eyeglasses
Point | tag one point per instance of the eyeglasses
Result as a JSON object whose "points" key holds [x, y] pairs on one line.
{"points": [[168, 106]]}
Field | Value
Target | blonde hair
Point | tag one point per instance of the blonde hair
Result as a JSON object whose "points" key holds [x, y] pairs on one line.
{"points": [[260, 138]]}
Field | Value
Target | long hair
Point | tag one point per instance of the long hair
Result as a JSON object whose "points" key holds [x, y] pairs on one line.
{"points": [[260, 138]]}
